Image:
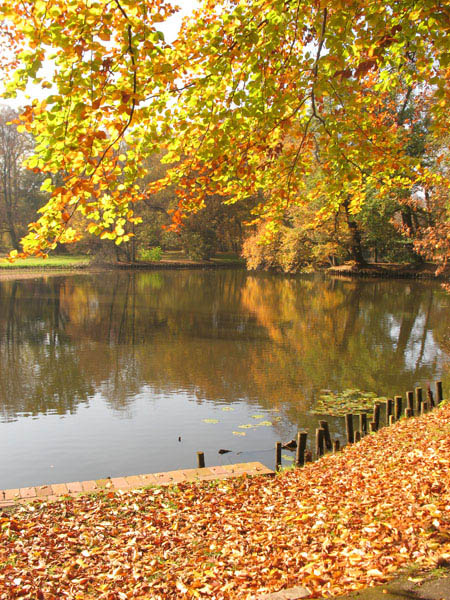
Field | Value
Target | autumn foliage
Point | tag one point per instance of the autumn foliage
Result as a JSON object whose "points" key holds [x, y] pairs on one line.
{"points": [[251, 99]]}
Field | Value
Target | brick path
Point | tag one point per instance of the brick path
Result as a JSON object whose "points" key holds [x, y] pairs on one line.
{"points": [[52, 492]]}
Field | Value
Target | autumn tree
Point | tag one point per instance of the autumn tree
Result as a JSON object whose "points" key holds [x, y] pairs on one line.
{"points": [[247, 100], [19, 189]]}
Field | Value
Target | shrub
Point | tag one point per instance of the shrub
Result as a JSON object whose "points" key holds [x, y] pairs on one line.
{"points": [[151, 254]]}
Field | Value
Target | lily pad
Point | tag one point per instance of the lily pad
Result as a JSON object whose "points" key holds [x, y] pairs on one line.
{"points": [[348, 401], [287, 457]]}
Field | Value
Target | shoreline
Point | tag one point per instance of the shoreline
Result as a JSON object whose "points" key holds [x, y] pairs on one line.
{"points": [[344, 524], [390, 271], [426, 271]]}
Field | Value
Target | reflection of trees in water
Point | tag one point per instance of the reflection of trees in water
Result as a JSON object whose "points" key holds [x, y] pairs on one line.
{"points": [[39, 363], [385, 331], [222, 335]]}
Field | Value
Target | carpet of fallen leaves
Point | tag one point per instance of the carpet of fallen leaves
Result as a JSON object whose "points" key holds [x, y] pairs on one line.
{"points": [[347, 521]]}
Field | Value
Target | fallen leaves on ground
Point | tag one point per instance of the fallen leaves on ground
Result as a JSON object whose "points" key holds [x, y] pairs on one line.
{"points": [[345, 522]]}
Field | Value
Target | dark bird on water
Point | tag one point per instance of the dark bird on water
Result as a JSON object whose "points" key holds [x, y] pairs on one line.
{"points": [[223, 451]]}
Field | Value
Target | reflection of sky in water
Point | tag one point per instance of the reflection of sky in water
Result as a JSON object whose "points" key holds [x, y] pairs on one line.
{"points": [[102, 374], [99, 442], [423, 351], [422, 348]]}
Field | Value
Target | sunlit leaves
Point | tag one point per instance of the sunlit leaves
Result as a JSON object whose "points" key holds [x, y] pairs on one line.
{"points": [[251, 99]]}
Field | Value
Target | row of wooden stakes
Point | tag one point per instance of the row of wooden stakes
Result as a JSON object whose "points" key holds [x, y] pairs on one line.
{"points": [[415, 404]]}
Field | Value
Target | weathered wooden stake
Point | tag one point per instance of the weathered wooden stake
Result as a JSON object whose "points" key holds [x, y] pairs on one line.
{"points": [[301, 447], [277, 456], [349, 428], [376, 415], [425, 407], [336, 446], [373, 426], [357, 436], [363, 424], [430, 396], [408, 413], [398, 401], [410, 401], [320, 442], [439, 393], [326, 435], [419, 399], [389, 411], [391, 420], [200, 460]]}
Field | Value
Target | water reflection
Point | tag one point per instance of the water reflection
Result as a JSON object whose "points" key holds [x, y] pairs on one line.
{"points": [[213, 337]]}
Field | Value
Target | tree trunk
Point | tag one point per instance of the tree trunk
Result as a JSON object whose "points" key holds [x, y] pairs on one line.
{"points": [[12, 230], [355, 237]]}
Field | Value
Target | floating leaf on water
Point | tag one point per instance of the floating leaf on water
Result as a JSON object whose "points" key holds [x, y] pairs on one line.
{"points": [[265, 424], [239, 433], [257, 416], [350, 400], [227, 408], [286, 457], [249, 426], [210, 420]]}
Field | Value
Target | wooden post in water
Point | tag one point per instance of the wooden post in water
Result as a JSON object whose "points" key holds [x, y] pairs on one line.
{"points": [[430, 398], [391, 420], [301, 447], [349, 428], [376, 415], [277, 456], [336, 446], [319, 442], [389, 410], [357, 436], [326, 435], [410, 402], [439, 393], [419, 400], [408, 413], [200, 460], [363, 423], [398, 400], [373, 426]]}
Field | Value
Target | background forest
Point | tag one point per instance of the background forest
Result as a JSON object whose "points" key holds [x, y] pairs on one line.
{"points": [[391, 227]]}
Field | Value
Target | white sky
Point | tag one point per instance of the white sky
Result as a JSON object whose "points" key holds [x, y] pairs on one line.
{"points": [[169, 28]]}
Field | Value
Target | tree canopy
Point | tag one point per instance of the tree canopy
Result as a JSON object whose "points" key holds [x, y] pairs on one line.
{"points": [[252, 98]]}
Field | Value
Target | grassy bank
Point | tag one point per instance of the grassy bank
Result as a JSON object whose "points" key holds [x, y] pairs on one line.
{"points": [[169, 258], [52, 262], [347, 521]]}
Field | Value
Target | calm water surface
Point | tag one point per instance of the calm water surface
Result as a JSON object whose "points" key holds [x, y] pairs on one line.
{"points": [[101, 374]]}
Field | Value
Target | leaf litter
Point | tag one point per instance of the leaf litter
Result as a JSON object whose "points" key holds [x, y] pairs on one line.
{"points": [[347, 521]]}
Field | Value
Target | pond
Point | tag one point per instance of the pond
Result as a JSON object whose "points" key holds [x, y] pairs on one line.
{"points": [[119, 373]]}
